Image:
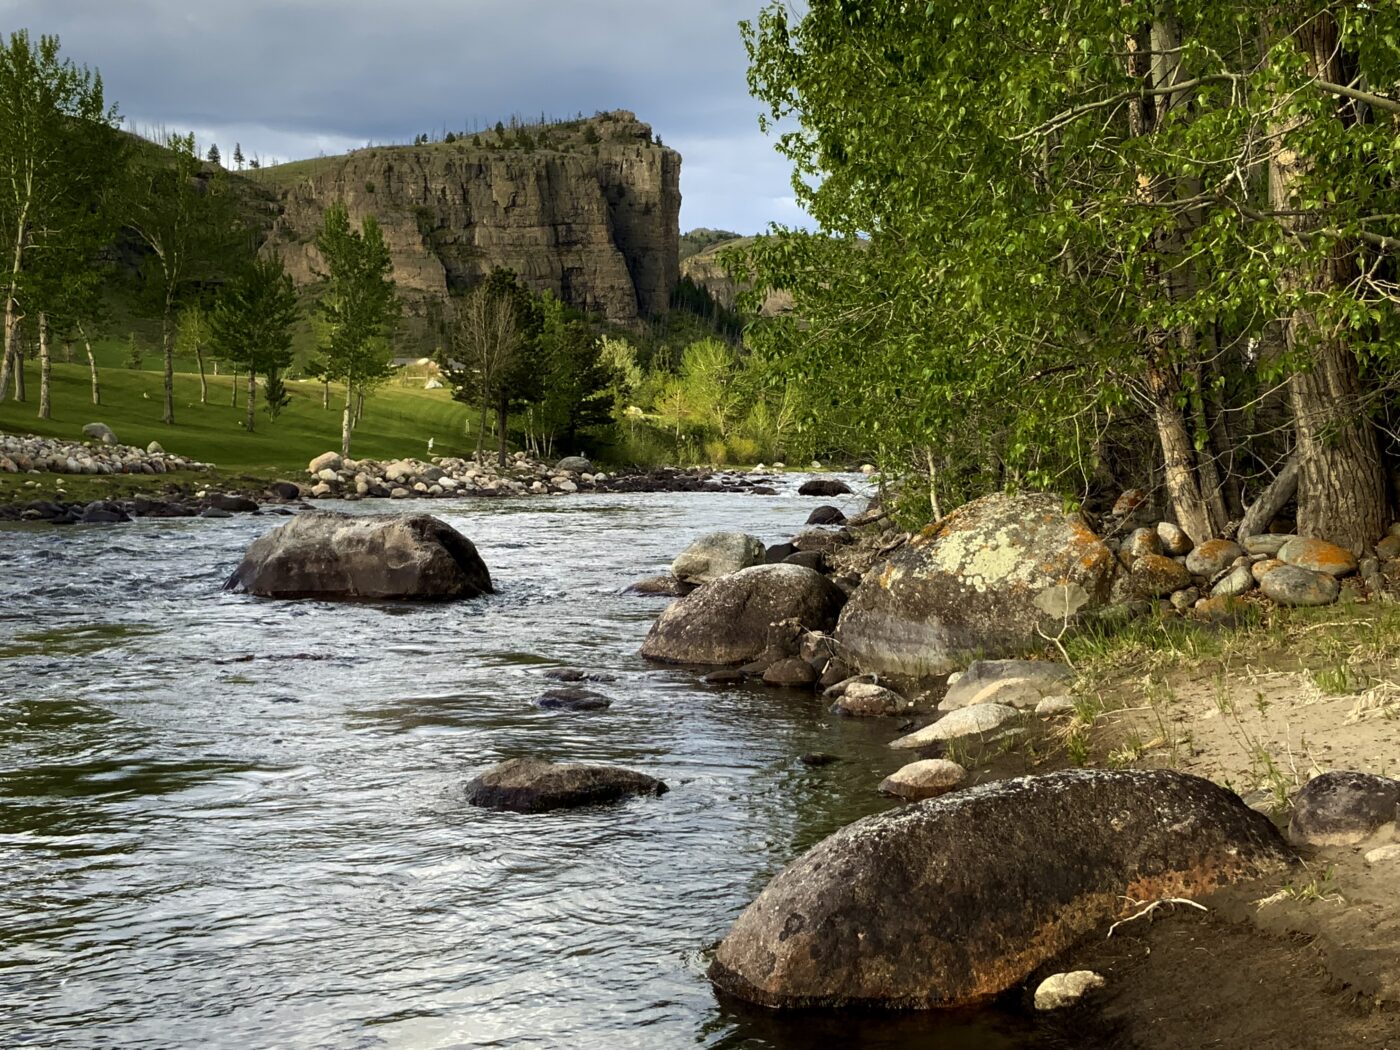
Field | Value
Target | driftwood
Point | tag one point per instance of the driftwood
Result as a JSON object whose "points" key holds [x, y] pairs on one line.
{"points": [[1264, 509]]}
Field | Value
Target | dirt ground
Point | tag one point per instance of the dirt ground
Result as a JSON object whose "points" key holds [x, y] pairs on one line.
{"points": [[1314, 959]]}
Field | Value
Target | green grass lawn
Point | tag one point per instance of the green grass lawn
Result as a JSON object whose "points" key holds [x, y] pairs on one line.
{"points": [[398, 419]]}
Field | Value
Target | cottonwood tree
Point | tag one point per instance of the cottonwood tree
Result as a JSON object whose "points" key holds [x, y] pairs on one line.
{"points": [[1044, 238], [186, 217], [358, 306], [251, 324], [191, 337], [58, 153]]}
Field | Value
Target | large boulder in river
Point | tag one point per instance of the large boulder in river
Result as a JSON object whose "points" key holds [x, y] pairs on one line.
{"points": [[976, 582], [727, 621], [536, 785], [718, 554], [951, 901], [342, 556], [824, 487]]}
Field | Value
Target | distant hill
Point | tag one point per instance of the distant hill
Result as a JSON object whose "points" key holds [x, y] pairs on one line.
{"points": [[702, 237], [704, 270]]}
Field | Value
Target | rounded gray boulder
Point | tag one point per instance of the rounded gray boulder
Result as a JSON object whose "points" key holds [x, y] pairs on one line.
{"points": [[718, 554], [412, 557], [727, 621], [1342, 808]]}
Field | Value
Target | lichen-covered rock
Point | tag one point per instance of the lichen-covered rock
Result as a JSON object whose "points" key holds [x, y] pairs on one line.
{"points": [[1140, 542], [1212, 557], [973, 583], [375, 557], [1342, 808], [1292, 585], [535, 785], [1156, 576], [1318, 556], [927, 779], [1260, 569], [718, 554], [1239, 580], [727, 621], [952, 901], [1175, 540]]}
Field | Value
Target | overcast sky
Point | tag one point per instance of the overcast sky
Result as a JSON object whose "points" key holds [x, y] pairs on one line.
{"points": [[295, 78]]}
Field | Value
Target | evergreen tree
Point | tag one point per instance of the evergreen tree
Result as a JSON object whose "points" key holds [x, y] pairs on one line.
{"points": [[213, 155], [133, 352], [238, 156], [251, 324], [275, 394]]}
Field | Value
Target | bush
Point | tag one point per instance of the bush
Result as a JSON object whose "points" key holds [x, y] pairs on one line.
{"points": [[716, 452], [743, 450]]}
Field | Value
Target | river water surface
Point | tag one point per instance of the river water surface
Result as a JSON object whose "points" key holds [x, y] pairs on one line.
{"points": [[229, 822]]}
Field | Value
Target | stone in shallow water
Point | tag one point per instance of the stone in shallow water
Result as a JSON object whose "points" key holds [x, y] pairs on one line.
{"points": [[980, 720], [718, 554], [927, 779], [864, 700], [572, 698], [535, 785], [792, 672]]}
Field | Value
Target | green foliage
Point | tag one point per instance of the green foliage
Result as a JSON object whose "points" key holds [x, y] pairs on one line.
{"points": [[275, 395], [577, 388], [213, 156], [251, 325], [1074, 255], [133, 352]]}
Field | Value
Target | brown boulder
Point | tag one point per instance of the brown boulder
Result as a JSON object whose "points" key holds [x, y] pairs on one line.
{"points": [[535, 785], [952, 901]]}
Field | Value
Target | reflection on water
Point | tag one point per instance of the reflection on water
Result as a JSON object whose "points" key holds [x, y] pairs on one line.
{"points": [[230, 822]]}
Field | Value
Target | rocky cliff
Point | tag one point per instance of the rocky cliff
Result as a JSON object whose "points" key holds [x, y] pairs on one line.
{"points": [[588, 211]]}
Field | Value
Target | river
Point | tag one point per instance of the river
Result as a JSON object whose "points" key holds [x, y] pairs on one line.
{"points": [[229, 822]]}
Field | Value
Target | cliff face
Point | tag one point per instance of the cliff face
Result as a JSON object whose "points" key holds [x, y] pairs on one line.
{"points": [[593, 218], [704, 269]]}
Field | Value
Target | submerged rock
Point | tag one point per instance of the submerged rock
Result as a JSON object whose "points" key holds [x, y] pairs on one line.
{"points": [[535, 785], [866, 700], [974, 582], [340, 556], [572, 698], [727, 621], [952, 901]]}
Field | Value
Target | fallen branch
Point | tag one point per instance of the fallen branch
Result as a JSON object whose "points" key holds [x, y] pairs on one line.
{"points": [[1153, 907]]}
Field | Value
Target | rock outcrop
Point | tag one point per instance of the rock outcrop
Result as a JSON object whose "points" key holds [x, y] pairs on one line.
{"points": [[975, 582], [595, 222], [371, 557], [951, 901]]}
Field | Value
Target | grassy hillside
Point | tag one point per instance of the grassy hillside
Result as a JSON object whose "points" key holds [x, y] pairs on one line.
{"points": [[398, 420]]}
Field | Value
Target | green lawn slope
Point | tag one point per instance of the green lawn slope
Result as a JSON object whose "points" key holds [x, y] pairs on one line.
{"points": [[398, 421]]}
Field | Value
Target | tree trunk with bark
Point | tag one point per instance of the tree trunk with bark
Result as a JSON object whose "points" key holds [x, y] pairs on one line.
{"points": [[502, 414], [167, 338], [345, 427], [92, 367], [45, 368], [203, 382], [251, 418], [1341, 484], [1178, 456]]}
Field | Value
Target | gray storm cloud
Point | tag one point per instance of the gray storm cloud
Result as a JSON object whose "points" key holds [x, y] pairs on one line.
{"points": [[296, 78]]}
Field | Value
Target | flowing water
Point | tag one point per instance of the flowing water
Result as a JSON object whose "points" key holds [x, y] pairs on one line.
{"points": [[228, 822]]}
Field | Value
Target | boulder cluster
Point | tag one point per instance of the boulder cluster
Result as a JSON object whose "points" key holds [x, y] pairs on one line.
{"points": [[335, 477], [1207, 578], [100, 454]]}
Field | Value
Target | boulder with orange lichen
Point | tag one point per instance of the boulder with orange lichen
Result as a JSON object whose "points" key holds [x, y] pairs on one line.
{"points": [[950, 902], [973, 584]]}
